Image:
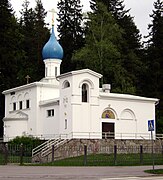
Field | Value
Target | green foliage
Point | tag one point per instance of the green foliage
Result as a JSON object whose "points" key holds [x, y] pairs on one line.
{"points": [[107, 160], [70, 31], [155, 171], [154, 52], [10, 52], [109, 43], [26, 140], [101, 38], [159, 125], [129, 46], [153, 78], [35, 34], [102, 53], [24, 145], [21, 45]]}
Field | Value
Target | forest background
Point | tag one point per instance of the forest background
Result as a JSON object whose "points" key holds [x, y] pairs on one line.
{"points": [[105, 40]]}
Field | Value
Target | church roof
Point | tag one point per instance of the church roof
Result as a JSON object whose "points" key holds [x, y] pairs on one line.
{"points": [[52, 49], [49, 102], [80, 72], [127, 97], [31, 85]]}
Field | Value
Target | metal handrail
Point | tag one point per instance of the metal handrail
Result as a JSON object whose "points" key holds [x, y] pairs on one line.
{"points": [[159, 136], [91, 135], [45, 148], [41, 146]]}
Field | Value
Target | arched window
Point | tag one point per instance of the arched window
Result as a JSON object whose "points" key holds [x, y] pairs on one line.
{"points": [[108, 114], [127, 114], [27, 101], [66, 84], [84, 93], [13, 102], [20, 101]]}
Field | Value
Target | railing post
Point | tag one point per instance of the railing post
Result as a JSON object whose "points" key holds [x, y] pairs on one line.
{"points": [[115, 154], [105, 135], [5, 153], [21, 154], [141, 154], [53, 153], [85, 155]]}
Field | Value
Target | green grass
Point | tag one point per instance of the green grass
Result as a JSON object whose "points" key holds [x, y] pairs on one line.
{"points": [[107, 160], [94, 160], [2, 159], [155, 171], [14, 159]]}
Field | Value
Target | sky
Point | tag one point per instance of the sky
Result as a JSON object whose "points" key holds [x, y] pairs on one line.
{"points": [[139, 9]]}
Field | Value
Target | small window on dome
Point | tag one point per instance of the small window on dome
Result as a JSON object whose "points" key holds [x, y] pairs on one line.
{"points": [[46, 72], [56, 71], [66, 84]]}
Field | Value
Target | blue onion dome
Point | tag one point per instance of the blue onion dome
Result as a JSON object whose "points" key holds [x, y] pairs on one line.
{"points": [[52, 49]]}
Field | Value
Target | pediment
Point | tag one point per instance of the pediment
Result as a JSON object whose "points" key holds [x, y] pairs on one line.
{"points": [[16, 116]]}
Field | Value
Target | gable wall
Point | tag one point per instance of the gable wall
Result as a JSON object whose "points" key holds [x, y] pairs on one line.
{"points": [[142, 110], [49, 125], [83, 115]]}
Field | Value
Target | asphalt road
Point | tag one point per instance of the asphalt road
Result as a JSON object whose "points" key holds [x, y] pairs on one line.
{"points": [[15, 172]]}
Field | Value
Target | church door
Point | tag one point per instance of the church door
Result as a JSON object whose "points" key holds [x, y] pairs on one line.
{"points": [[107, 130]]}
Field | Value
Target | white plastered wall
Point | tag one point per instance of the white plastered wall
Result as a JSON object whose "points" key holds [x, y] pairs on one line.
{"points": [[49, 125], [65, 110], [83, 116], [132, 128], [13, 128]]}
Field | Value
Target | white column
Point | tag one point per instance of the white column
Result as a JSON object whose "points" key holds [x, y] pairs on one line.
{"points": [[52, 67]]}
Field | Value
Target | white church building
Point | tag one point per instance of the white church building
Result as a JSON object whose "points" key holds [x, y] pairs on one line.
{"points": [[72, 105]]}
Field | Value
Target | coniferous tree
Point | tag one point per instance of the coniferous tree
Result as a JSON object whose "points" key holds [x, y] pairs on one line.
{"points": [[155, 48], [153, 83], [41, 36], [35, 35], [101, 51], [131, 48], [125, 21], [10, 52], [130, 45], [27, 23], [70, 31]]}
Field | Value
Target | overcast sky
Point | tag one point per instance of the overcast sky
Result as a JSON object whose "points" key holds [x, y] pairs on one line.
{"points": [[140, 10]]}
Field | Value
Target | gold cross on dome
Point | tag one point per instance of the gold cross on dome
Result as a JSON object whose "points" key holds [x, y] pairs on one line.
{"points": [[52, 11]]}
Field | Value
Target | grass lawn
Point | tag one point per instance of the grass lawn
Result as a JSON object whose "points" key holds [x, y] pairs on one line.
{"points": [[94, 160], [14, 159], [2, 159], [156, 171], [106, 160]]}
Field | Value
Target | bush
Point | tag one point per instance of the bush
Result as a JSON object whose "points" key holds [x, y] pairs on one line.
{"points": [[26, 141]]}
